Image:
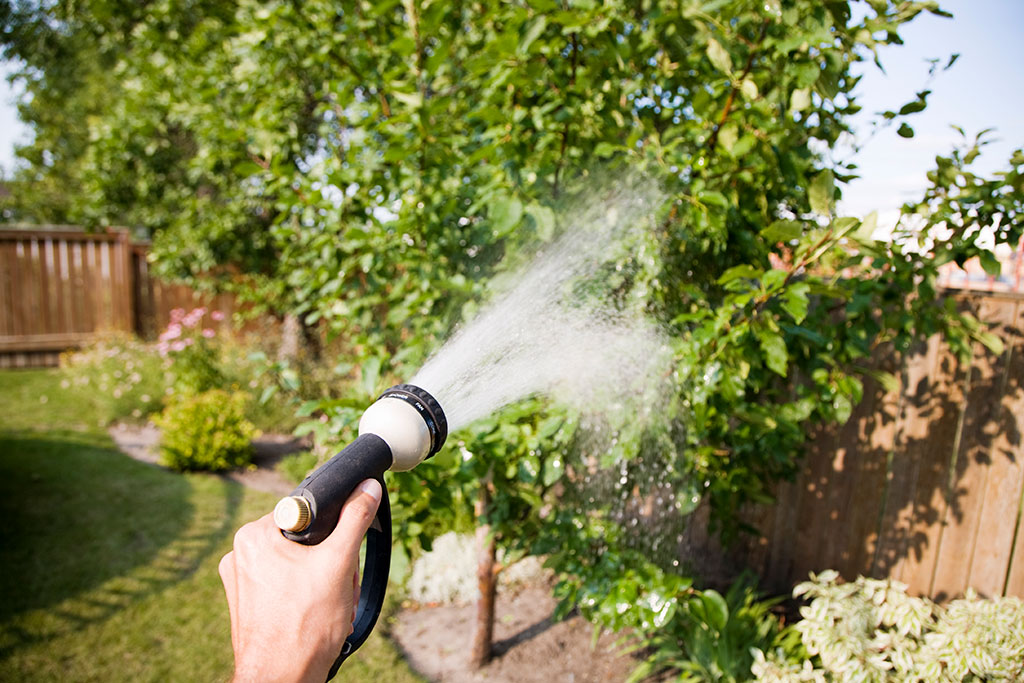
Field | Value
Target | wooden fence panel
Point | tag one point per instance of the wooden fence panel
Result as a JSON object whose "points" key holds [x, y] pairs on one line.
{"points": [[925, 485], [876, 428], [1001, 495], [60, 288], [970, 469]]}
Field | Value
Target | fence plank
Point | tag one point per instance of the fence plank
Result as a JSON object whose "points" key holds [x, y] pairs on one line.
{"points": [[6, 295], [1015, 572], [1005, 478], [911, 432], [80, 302], [853, 465], [17, 278], [958, 539], [781, 530], [814, 519], [932, 452], [869, 455], [52, 300]]}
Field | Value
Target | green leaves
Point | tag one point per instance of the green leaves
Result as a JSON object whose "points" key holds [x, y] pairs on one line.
{"points": [[782, 231], [505, 214], [774, 349], [544, 220], [800, 99], [534, 28], [820, 193], [719, 56], [989, 263], [795, 301], [844, 623]]}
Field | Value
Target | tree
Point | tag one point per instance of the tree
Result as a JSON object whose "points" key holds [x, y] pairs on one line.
{"points": [[367, 165]]}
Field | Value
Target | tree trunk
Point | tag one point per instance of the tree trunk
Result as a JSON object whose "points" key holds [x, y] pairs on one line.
{"points": [[486, 575], [291, 337]]}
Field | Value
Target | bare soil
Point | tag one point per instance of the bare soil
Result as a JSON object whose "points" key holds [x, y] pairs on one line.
{"points": [[528, 646]]}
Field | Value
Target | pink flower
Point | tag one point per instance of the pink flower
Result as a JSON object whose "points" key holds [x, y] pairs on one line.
{"points": [[162, 348], [208, 333], [173, 331], [188, 341], [193, 317], [217, 315], [178, 346], [177, 314]]}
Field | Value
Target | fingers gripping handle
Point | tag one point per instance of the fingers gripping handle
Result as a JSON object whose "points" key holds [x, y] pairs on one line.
{"points": [[322, 495], [374, 583]]}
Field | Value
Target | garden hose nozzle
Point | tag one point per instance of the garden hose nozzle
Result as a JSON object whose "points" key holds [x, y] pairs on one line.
{"points": [[401, 429]]}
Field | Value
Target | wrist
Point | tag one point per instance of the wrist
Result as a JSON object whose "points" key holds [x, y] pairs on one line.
{"points": [[286, 667]]}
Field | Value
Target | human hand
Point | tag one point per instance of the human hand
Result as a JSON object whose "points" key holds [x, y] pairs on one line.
{"points": [[292, 605]]}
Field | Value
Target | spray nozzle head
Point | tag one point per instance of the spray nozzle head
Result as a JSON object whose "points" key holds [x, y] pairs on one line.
{"points": [[410, 420]]}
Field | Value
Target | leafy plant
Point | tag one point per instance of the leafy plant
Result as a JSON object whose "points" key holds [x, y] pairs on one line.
{"points": [[207, 431], [193, 357], [296, 466], [700, 635], [870, 630], [119, 376]]}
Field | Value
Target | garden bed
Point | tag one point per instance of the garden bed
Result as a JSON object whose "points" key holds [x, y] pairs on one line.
{"points": [[528, 646]]}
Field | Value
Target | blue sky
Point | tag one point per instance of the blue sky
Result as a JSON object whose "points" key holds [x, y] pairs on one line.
{"points": [[984, 89]]}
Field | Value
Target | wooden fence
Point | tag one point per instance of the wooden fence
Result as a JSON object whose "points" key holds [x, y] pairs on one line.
{"points": [[61, 288], [923, 484]]}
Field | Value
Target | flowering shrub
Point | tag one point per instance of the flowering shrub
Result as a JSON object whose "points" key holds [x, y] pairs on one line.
{"points": [[447, 572], [870, 630], [207, 431], [193, 358], [120, 376]]}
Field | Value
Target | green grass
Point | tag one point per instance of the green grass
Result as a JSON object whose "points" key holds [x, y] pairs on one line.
{"points": [[108, 566]]}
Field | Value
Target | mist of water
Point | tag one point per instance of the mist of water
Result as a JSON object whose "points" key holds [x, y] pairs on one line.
{"points": [[540, 336]]}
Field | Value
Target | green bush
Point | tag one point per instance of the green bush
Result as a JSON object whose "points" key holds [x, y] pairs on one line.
{"points": [[712, 637], [207, 431], [296, 466], [872, 631], [700, 635]]}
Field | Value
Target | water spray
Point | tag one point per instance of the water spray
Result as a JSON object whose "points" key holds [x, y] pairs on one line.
{"points": [[538, 336], [401, 429]]}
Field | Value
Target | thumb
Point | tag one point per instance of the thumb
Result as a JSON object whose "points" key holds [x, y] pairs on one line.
{"points": [[356, 517]]}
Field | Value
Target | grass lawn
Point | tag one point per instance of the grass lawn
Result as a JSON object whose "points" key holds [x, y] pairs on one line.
{"points": [[108, 566]]}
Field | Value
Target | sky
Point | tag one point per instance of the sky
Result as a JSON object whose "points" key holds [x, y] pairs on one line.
{"points": [[984, 89]]}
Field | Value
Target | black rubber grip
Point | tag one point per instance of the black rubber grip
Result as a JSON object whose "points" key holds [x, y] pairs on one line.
{"points": [[326, 490]]}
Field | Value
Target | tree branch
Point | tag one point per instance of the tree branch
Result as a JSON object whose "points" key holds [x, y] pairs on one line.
{"points": [[737, 83]]}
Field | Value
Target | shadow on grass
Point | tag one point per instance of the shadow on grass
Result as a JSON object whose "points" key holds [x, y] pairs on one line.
{"points": [[88, 531]]}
